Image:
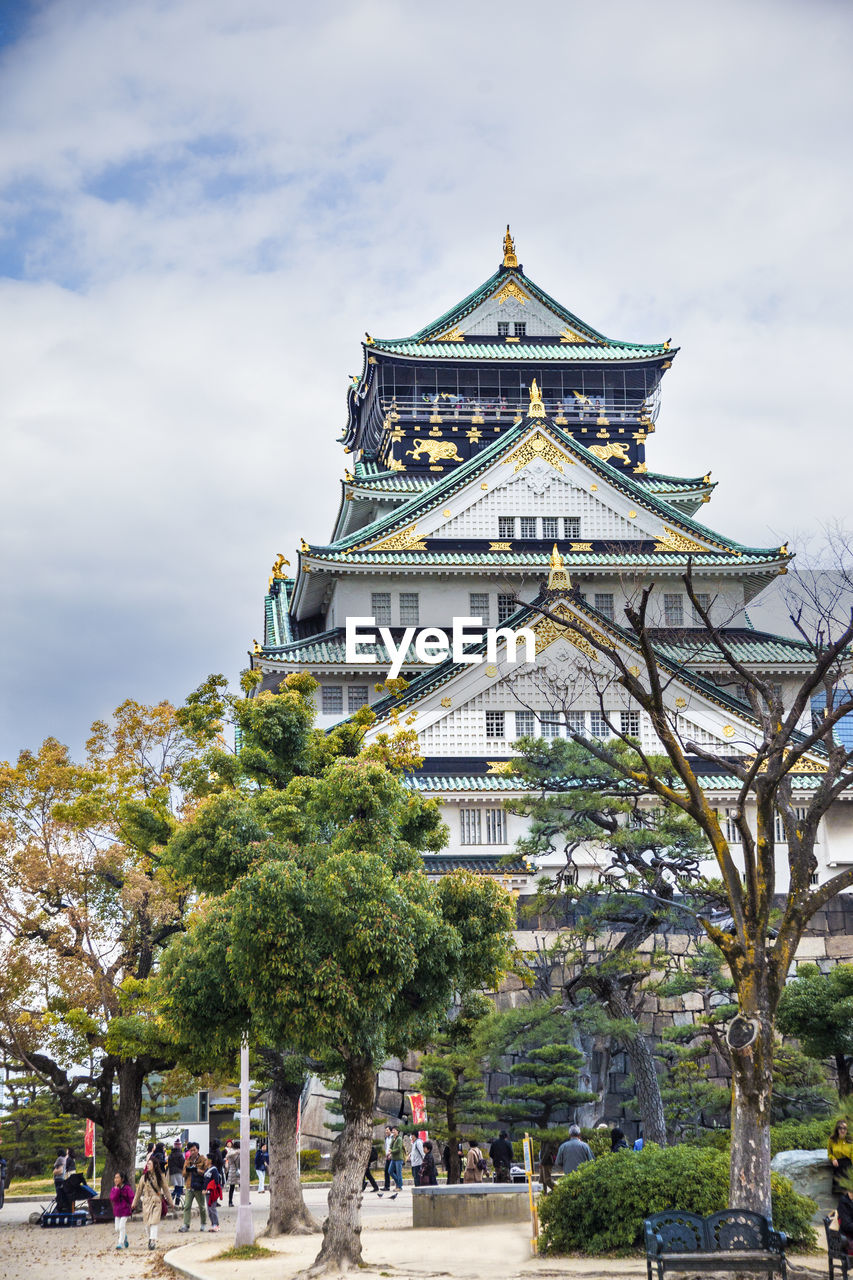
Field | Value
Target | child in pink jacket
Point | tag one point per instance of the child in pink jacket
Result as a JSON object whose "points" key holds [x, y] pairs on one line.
{"points": [[121, 1198]]}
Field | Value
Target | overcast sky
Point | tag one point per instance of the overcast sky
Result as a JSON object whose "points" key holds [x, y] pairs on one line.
{"points": [[205, 203]]}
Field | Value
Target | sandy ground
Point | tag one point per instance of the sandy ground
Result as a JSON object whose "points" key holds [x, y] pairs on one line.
{"points": [[391, 1248]]}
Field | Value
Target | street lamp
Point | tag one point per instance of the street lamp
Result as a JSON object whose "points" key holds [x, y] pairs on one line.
{"points": [[245, 1226]]}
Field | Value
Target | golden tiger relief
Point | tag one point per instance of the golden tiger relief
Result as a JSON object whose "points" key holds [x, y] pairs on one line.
{"points": [[435, 450], [605, 451]]}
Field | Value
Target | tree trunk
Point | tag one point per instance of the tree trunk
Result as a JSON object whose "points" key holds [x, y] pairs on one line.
{"points": [[454, 1172], [342, 1228], [638, 1049], [289, 1215], [120, 1124], [845, 1085], [752, 1083]]}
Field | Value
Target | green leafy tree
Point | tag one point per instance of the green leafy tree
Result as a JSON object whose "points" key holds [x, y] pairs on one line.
{"points": [[647, 859], [452, 1078], [33, 1128], [817, 1008]]}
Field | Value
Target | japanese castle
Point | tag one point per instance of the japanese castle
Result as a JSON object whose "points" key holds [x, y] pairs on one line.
{"points": [[497, 452]]}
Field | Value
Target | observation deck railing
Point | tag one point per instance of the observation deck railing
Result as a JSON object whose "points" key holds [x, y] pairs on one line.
{"points": [[586, 411]]}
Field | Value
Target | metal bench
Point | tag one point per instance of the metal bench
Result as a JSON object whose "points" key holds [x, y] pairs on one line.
{"points": [[837, 1250], [732, 1240]]}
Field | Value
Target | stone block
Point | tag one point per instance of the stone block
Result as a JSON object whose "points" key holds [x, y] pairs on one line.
{"points": [[410, 1081], [811, 949], [389, 1079], [682, 1019], [693, 1000], [840, 948], [810, 1173], [393, 1064], [388, 1100], [470, 1205], [412, 1060]]}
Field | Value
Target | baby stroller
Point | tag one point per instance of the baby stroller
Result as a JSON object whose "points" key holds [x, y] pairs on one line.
{"points": [[61, 1212]]}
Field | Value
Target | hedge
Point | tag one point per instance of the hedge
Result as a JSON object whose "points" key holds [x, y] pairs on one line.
{"points": [[600, 1208]]}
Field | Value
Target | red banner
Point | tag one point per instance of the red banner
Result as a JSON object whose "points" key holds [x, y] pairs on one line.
{"points": [[419, 1112], [89, 1140]]}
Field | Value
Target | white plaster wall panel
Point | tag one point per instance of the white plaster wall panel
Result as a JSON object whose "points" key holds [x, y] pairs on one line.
{"points": [[543, 492], [484, 319]]}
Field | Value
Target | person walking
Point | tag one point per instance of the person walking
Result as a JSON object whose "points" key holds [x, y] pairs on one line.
{"points": [[368, 1175], [416, 1158], [213, 1193], [215, 1155], [429, 1173], [175, 1170], [475, 1163], [70, 1162], [501, 1156], [195, 1167], [387, 1186], [547, 1155], [262, 1163], [151, 1191], [59, 1169], [232, 1170], [573, 1152], [617, 1141], [840, 1152], [397, 1151], [121, 1199]]}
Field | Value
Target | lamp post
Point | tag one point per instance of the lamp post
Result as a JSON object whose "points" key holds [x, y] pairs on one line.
{"points": [[245, 1226]]}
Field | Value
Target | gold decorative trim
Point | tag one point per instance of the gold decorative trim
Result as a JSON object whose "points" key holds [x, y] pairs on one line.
{"points": [[537, 408], [484, 485], [634, 671], [405, 540], [447, 513], [500, 546], [510, 338], [451, 335], [510, 259], [581, 546], [616, 449], [569, 335], [434, 449], [511, 290], [680, 702], [447, 702], [632, 515], [640, 469], [547, 631], [558, 578], [491, 671], [501, 766], [729, 731], [539, 446], [675, 541]]}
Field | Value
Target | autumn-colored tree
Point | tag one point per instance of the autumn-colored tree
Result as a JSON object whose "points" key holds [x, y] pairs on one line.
{"points": [[86, 908]]}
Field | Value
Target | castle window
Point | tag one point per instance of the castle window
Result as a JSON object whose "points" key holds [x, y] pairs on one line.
{"points": [[478, 603], [528, 526], [673, 609], [506, 526], [630, 724], [503, 328], [356, 697], [494, 724], [604, 603], [704, 599], [549, 527], [551, 727], [525, 724], [598, 726], [571, 526], [380, 607], [333, 700], [475, 824], [731, 831], [576, 722], [506, 607], [409, 609], [520, 328]]}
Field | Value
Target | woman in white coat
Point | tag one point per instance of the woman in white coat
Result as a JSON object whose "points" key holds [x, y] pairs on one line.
{"points": [[151, 1190]]}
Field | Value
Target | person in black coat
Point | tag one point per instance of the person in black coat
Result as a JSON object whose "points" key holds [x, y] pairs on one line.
{"points": [[501, 1156], [845, 1218], [617, 1141], [429, 1173]]}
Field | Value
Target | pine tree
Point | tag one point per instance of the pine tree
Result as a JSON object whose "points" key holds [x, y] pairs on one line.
{"points": [[452, 1079]]}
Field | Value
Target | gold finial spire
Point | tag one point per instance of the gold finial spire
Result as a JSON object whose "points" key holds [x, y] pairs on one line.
{"points": [[537, 408], [256, 647], [558, 578], [278, 568], [510, 260]]}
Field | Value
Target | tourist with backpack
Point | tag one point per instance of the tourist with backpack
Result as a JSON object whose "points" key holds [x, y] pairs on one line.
{"points": [[213, 1194], [475, 1163]]}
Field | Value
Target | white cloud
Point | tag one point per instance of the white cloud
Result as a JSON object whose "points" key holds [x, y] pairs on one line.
{"points": [[208, 203]]}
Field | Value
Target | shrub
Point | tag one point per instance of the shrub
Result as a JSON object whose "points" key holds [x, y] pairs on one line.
{"points": [[600, 1208], [800, 1135], [309, 1159]]}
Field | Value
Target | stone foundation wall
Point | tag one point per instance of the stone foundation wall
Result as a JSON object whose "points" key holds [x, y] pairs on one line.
{"points": [[827, 942]]}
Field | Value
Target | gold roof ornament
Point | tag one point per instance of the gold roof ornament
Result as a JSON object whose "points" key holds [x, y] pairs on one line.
{"points": [[303, 546], [558, 578], [537, 408], [257, 648], [510, 260], [278, 568]]}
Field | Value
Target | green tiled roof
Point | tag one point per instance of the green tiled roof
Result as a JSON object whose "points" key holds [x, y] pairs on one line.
{"points": [[482, 864], [329, 647], [533, 559], [446, 783], [514, 351], [676, 484], [412, 510], [276, 616], [747, 645], [599, 347]]}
